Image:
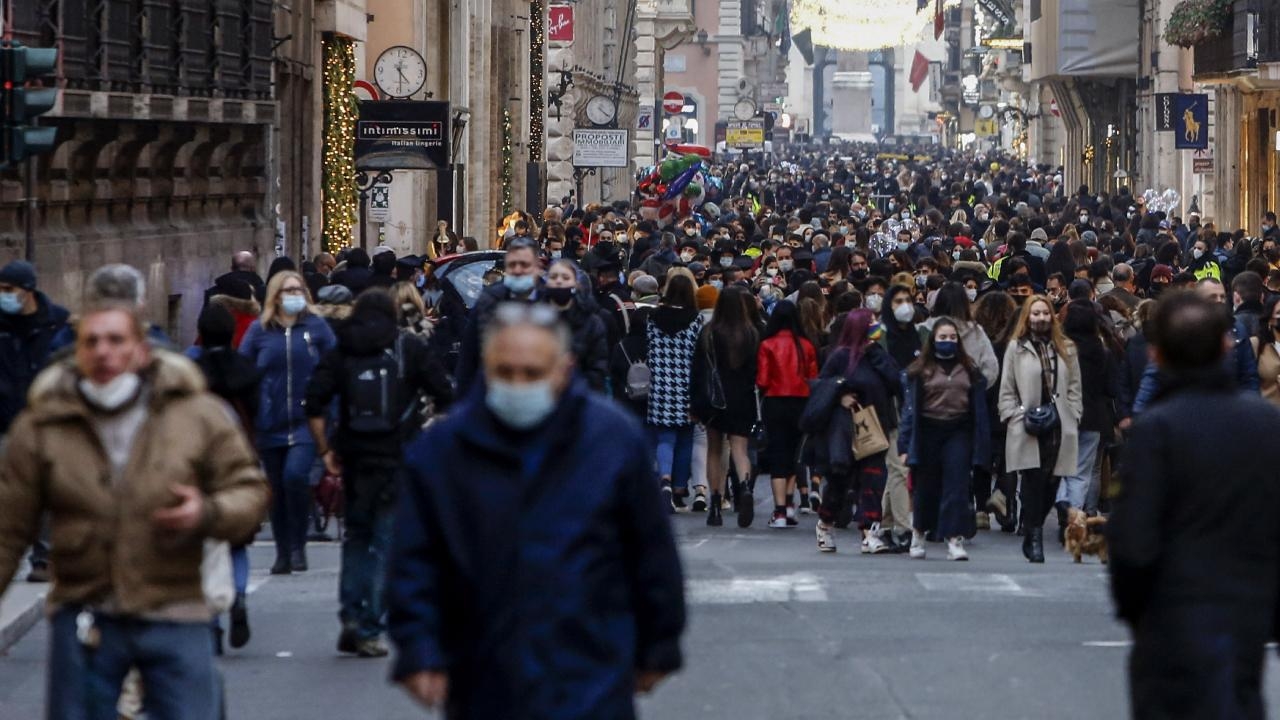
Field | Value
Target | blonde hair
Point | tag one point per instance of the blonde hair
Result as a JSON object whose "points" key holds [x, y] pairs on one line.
{"points": [[271, 305], [675, 270], [1022, 329], [404, 293]]}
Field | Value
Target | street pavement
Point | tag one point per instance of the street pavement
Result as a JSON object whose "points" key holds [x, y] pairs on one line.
{"points": [[776, 631]]}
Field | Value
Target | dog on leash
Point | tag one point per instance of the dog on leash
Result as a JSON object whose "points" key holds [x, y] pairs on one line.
{"points": [[1086, 535]]}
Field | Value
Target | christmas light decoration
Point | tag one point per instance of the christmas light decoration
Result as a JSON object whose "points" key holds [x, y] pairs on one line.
{"points": [[506, 161], [865, 24], [338, 165], [537, 98]]}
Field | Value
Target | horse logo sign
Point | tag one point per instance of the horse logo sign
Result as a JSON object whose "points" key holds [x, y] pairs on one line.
{"points": [[1191, 122]]}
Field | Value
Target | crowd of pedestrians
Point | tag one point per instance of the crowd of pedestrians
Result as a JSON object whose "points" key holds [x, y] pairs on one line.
{"points": [[915, 349]]}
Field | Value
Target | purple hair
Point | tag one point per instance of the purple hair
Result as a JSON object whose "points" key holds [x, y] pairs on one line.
{"points": [[853, 337]]}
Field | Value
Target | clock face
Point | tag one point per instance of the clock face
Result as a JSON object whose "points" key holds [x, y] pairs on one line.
{"points": [[744, 110], [986, 112], [400, 71], [600, 110]]}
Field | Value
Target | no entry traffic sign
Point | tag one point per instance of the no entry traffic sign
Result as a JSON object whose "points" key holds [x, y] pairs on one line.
{"points": [[673, 102]]}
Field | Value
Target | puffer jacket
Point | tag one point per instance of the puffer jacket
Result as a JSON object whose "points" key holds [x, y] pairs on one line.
{"points": [[103, 542], [287, 357]]}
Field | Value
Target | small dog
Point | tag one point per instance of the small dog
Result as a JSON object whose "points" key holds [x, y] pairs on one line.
{"points": [[1086, 535]]}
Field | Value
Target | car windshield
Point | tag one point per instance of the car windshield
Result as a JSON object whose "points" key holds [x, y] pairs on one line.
{"points": [[468, 279]]}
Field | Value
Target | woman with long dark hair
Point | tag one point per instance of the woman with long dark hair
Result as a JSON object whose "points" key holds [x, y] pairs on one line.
{"points": [[943, 435], [997, 314], [786, 361], [1040, 368], [726, 347], [870, 379]]}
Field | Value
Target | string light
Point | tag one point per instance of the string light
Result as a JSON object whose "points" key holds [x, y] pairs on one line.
{"points": [[537, 100], [506, 161], [863, 25], [338, 165]]}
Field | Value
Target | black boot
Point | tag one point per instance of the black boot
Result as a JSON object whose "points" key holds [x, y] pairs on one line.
{"points": [[239, 622], [298, 560], [281, 566], [744, 501], [714, 519], [1035, 536]]}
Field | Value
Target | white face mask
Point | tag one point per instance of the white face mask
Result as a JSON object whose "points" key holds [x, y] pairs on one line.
{"points": [[874, 302], [771, 272], [726, 262], [112, 395], [904, 313], [686, 257], [520, 406], [1197, 253], [786, 265], [971, 293]]}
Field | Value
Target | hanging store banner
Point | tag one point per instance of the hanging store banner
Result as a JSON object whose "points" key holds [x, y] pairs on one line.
{"points": [[1164, 111], [1191, 122], [600, 148], [560, 23], [998, 10], [402, 135]]}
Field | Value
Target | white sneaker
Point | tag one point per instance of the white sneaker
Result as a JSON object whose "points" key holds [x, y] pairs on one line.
{"points": [[792, 520], [917, 551], [779, 521], [955, 549], [872, 544], [826, 539], [804, 505]]}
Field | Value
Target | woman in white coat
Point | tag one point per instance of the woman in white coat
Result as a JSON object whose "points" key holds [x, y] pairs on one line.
{"points": [[1040, 367]]}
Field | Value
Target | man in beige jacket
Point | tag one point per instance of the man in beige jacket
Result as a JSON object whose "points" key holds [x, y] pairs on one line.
{"points": [[136, 465]]}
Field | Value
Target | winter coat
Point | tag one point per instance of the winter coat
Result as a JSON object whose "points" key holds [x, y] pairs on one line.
{"points": [[1020, 388], [1197, 489], [103, 541], [532, 619], [673, 340], [244, 312], [590, 342], [424, 373], [26, 344], [976, 345], [1240, 363], [286, 357], [979, 418], [829, 426], [877, 381], [468, 368], [739, 384], [232, 377]]}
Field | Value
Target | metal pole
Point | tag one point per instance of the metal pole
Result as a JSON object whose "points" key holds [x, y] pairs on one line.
{"points": [[364, 230], [29, 219]]}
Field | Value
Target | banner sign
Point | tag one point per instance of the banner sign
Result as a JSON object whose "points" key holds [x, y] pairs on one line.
{"points": [[1164, 111], [600, 148], [1191, 122], [402, 135], [745, 134], [560, 23], [998, 10]]}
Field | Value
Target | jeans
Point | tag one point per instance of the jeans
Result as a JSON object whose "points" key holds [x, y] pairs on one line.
{"points": [[240, 568], [175, 659], [370, 491], [673, 449], [1075, 489], [942, 479], [289, 469], [698, 466]]}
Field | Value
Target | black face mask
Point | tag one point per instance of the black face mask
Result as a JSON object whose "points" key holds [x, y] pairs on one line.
{"points": [[560, 296]]}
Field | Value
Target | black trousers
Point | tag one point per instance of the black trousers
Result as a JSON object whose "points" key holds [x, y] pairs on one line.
{"points": [[1040, 486], [1199, 661]]}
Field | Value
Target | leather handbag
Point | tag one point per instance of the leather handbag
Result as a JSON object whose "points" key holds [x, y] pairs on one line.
{"points": [[868, 434], [1041, 419]]}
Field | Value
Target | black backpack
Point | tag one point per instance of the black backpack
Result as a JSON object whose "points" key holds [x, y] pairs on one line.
{"points": [[373, 391]]}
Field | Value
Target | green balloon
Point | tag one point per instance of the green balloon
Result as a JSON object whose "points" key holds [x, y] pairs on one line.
{"points": [[692, 190], [668, 170]]}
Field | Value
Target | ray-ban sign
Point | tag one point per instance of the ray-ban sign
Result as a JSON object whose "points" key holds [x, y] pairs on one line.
{"points": [[560, 23]]}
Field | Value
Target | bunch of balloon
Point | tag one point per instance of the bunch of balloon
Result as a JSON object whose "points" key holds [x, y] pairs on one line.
{"points": [[676, 187]]}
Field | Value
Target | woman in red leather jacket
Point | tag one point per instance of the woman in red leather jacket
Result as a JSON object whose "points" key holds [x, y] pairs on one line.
{"points": [[785, 362]]}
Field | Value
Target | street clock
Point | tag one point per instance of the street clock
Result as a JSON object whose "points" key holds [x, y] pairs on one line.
{"points": [[601, 110], [986, 112], [744, 110], [400, 72]]}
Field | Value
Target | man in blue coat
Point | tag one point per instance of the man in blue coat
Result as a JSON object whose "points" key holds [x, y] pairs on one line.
{"points": [[533, 570]]}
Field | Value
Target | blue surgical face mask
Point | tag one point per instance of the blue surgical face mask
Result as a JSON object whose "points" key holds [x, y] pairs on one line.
{"points": [[10, 303], [519, 284], [422, 280], [293, 304], [903, 246], [520, 406], [945, 349]]}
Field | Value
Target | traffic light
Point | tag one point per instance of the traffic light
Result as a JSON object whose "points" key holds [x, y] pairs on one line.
{"points": [[22, 105]]}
